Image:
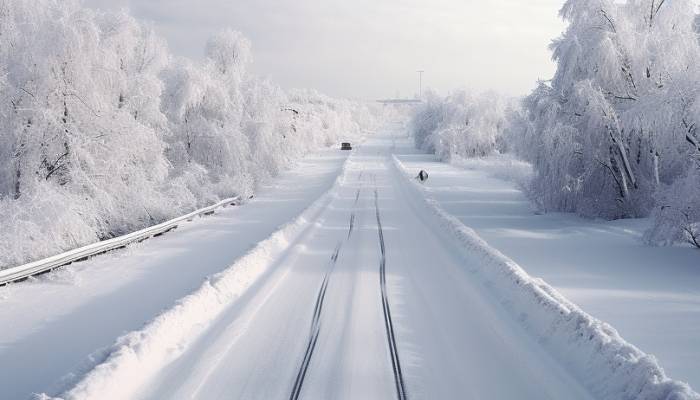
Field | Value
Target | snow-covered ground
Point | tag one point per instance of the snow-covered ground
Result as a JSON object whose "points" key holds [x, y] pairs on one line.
{"points": [[374, 292], [52, 324], [651, 295], [344, 279], [315, 323]]}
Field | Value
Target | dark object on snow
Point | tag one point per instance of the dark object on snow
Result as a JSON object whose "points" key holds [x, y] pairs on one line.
{"points": [[345, 146], [422, 176]]}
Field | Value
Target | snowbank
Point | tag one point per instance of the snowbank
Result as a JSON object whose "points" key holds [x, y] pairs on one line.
{"points": [[137, 356], [501, 166], [588, 348]]}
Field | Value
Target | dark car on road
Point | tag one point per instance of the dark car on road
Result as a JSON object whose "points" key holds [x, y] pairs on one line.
{"points": [[345, 146]]}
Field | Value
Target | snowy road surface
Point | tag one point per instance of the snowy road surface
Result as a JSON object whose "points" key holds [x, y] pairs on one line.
{"points": [[317, 326], [365, 295], [51, 325]]}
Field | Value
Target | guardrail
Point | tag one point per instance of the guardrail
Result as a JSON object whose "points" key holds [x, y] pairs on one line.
{"points": [[39, 267]]}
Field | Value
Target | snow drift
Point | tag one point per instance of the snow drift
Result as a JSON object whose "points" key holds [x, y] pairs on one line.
{"points": [[593, 351], [137, 356]]}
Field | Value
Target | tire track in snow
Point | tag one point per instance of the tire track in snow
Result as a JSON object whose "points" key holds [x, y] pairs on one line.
{"points": [[352, 215], [388, 323], [320, 298], [315, 327]]}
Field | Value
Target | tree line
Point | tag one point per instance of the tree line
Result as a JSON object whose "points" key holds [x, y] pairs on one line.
{"points": [[614, 134], [103, 131]]}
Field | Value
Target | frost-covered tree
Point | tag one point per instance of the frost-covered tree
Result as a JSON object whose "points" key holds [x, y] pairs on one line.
{"points": [[103, 132], [461, 125], [612, 127], [677, 219], [333, 119], [206, 146], [80, 126], [230, 130], [677, 215]]}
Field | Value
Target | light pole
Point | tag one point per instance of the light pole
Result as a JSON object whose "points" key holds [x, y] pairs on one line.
{"points": [[420, 83]]}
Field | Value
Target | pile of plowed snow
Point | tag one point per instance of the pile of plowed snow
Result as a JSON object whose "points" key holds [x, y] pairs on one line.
{"points": [[593, 351]]}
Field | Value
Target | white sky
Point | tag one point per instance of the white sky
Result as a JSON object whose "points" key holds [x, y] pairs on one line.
{"points": [[371, 48]]}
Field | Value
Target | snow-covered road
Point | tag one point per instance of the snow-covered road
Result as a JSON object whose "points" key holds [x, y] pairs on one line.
{"points": [[53, 326], [320, 324], [370, 292]]}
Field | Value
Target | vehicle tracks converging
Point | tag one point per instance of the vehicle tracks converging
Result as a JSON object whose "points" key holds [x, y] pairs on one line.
{"points": [[388, 323], [320, 298]]}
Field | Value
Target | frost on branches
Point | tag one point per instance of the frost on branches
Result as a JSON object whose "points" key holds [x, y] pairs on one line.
{"points": [[461, 125], [104, 132], [615, 133]]}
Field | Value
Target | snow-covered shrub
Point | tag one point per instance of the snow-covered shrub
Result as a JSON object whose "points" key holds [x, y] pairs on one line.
{"points": [[677, 219], [677, 215], [461, 125], [103, 132], [81, 129], [614, 124]]}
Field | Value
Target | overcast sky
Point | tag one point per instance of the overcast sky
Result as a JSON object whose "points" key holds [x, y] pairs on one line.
{"points": [[371, 48]]}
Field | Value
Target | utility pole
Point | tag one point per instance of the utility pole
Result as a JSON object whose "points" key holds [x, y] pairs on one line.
{"points": [[420, 84]]}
